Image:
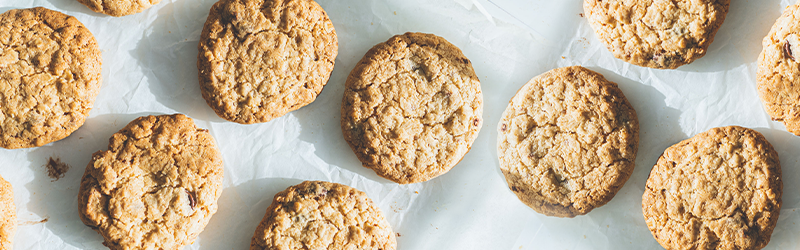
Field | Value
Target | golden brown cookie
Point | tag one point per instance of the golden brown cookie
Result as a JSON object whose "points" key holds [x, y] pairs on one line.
{"points": [[779, 70], [156, 187], [49, 76], [720, 189], [8, 215], [655, 33], [412, 107], [118, 7], [567, 142], [323, 215], [261, 59]]}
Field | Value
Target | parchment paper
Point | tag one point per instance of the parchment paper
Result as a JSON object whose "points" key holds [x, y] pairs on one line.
{"points": [[149, 68]]}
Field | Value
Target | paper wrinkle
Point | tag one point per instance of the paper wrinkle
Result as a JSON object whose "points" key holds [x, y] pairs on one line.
{"points": [[149, 67]]}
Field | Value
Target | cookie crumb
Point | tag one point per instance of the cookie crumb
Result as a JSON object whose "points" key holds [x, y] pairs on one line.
{"points": [[398, 235], [56, 169], [580, 14]]}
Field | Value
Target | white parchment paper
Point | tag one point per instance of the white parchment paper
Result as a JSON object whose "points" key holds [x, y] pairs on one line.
{"points": [[149, 67]]}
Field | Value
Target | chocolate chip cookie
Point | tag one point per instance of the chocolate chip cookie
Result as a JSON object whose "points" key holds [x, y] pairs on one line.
{"points": [[779, 70], [156, 187], [8, 215], [261, 59], [567, 142], [49, 76], [118, 7], [323, 215], [412, 107], [720, 189], [654, 33]]}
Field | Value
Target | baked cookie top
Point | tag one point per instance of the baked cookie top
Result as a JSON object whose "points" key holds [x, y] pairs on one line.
{"points": [[412, 107], [567, 141], [323, 215], [261, 59], [156, 187], [118, 7], [8, 215], [720, 189], [655, 33], [779, 70], [49, 76]]}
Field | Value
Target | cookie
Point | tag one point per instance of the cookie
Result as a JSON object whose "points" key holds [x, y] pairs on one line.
{"points": [[156, 187], [412, 107], [49, 76], [8, 215], [654, 33], [720, 189], [323, 215], [567, 142], [261, 59], [779, 70], [118, 7]]}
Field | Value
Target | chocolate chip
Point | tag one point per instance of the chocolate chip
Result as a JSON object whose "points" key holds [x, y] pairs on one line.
{"points": [[656, 57], [504, 127], [321, 194], [191, 199], [464, 60], [787, 48], [476, 122], [515, 189]]}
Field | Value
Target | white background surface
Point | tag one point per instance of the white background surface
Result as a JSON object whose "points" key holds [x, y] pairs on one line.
{"points": [[149, 67]]}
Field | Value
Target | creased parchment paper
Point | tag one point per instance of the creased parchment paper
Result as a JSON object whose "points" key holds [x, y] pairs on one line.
{"points": [[149, 68]]}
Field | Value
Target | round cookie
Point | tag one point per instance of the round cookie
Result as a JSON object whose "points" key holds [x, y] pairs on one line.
{"points": [[567, 142], [720, 189], [323, 215], [412, 107], [118, 7], [779, 70], [49, 76], [8, 215], [156, 187], [261, 59], [655, 33]]}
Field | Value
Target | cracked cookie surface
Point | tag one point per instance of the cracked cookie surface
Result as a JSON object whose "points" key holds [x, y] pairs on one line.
{"points": [[323, 215], [779, 70], [118, 7], [656, 33], [156, 187], [261, 59], [720, 189], [49, 76], [8, 215], [412, 107], [567, 141]]}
